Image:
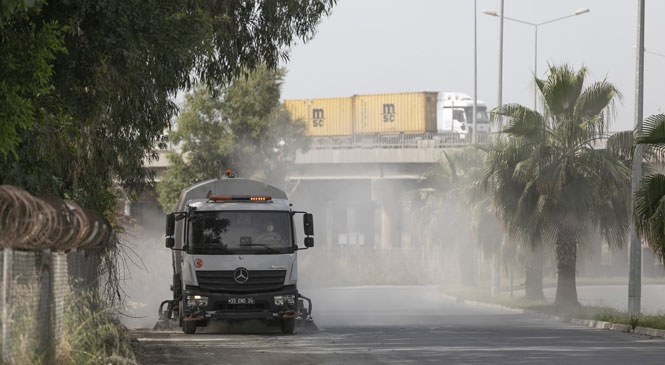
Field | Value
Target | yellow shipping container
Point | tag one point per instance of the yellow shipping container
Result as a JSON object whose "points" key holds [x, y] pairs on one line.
{"points": [[324, 117], [413, 112]]}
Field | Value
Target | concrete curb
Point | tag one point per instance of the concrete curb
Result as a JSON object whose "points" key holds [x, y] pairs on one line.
{"points": [[645, 331]]}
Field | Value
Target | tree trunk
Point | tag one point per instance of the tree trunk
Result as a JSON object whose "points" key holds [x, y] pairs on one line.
{"points": [[467, 266], [566, 256], [496, 276], [533, 285]]}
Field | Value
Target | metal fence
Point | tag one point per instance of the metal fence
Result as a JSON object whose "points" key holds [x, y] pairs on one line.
{"points": [[397, 140], [51, 252]]}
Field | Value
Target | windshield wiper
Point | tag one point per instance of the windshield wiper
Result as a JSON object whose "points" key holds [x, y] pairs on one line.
{"points": [[259, 244]]}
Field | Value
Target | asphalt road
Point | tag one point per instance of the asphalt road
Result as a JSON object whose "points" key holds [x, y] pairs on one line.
{"points": [[397, 324]]}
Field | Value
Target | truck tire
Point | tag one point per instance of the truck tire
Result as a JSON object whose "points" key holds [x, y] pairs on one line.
{"points": [[189, 327], [288, 326]]}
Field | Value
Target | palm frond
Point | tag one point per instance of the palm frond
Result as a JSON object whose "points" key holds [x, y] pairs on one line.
{"points": [[620, 145], [521, 121], [653, 131], [562, 89], [650, 211], [594, 100]]}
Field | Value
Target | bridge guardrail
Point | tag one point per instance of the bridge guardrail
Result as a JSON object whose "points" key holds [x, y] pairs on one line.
{"points": [[396, 140]]}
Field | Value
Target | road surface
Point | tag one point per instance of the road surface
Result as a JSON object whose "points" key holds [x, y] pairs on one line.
{"points": [[396, 324]]}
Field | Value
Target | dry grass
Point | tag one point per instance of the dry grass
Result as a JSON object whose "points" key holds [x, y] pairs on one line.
{"points": [[90, 333]]}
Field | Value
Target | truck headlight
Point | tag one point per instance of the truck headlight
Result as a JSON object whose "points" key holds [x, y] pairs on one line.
{"points": [[196, 301], [290, 300]]}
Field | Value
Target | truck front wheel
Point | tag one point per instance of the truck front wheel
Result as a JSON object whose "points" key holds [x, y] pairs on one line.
{"points": [[288, 325], [189, 327]]}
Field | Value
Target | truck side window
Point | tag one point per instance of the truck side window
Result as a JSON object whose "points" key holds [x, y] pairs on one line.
{"points": [[459, 116]]}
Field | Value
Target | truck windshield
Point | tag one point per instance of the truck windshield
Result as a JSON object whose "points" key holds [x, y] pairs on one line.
{"points": [[481, 114], [240, 232]]}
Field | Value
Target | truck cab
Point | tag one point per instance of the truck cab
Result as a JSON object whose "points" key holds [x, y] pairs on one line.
{"points": [[455, 115], [234, 251]]}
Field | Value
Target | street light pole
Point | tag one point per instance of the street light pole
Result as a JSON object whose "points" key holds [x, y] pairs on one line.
{"points": [[635, 252], [535, 26], [501, 63], [475, 72]]}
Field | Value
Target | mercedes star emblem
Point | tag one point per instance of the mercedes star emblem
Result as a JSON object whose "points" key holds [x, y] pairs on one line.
{"points": [[241, 275]]}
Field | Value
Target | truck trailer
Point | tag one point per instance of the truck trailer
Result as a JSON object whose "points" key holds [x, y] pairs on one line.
{"points": [[234, 255], [439, 114]]}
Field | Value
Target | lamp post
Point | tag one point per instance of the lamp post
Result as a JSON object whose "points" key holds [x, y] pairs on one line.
{"points": [[535, 48], [474, 121], [635, 250]]}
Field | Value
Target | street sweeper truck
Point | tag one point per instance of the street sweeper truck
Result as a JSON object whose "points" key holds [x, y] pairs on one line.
{"points": [[234, 255]]}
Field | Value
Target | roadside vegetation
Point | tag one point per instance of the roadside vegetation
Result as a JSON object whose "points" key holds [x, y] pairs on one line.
{"points": [[542, 184], [91, 333], [550, 188], [482, 294]]}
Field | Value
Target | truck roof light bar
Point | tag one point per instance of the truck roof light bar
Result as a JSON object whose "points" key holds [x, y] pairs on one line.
{"points": [[256, 198]]}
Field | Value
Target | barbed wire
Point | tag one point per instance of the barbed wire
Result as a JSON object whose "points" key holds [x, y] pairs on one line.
{"points": [[31, 223]]}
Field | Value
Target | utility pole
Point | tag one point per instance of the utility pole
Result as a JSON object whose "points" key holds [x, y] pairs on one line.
{"points": [[635, 270], [474, 138]]}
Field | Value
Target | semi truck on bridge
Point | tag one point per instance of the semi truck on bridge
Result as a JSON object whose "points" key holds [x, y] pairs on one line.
{"points": [[234, 256], [446, 117]]}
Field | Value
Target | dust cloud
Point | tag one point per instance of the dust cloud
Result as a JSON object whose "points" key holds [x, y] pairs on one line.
{"points": [[146, 269], [367, 233], [372, 232]]}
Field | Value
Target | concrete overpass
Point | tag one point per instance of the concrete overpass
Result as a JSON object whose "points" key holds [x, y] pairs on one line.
{"points": [[379, 163], [357, 191]]}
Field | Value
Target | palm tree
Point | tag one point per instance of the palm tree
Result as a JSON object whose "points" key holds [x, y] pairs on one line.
{"points": [[518, 206], [650, 196], [576, 188], [449, 208]]}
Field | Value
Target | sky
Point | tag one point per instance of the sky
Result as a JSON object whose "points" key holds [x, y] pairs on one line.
{"points": [[392, 46]]}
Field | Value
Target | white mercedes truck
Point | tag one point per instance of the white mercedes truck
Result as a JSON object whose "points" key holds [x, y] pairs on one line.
{"points": [[234, 254]]}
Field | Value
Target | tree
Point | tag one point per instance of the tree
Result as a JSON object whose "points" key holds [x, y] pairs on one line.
{"points": [[110, 94], [450, 186], [243, 126], [26, 73], [517, 206], [578, 189], [8, 7], [265, 136], [650, 196]]}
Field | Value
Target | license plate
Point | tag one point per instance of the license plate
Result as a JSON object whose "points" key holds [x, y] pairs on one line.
{"points": [[241, 300]]}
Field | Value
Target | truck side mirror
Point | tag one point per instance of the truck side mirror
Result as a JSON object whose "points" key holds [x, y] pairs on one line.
{"points": [[170, 224], [309, 242], [308, 224], [170, 229], [170, 242]]}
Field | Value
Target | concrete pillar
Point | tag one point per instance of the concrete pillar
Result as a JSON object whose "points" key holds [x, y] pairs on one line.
{"points": [[389, 210]]}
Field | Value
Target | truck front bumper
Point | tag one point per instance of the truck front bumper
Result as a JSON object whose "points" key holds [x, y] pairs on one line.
{"points": [[270, 306]]}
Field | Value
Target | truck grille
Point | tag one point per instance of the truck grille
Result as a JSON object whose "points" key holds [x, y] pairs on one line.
{"points": [[259, 281]]}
